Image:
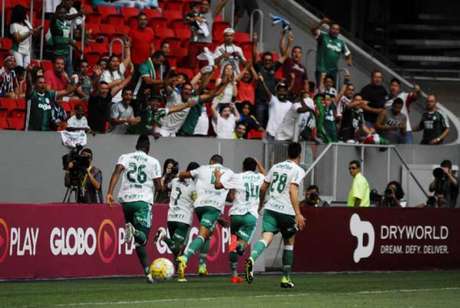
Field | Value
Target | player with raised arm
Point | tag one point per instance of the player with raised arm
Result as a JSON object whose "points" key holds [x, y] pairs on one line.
{"points": [[180, 213], [141, 176], [282, 212], [209, 205], [245, 188]]}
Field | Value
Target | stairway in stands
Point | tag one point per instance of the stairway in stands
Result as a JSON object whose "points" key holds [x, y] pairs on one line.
{"points": [[427, 48]]}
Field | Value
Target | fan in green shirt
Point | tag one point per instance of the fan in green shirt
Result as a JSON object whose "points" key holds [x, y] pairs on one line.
{"points": [[330, 48]]}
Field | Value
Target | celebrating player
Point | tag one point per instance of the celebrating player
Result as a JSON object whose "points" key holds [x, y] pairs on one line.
{"points": [[209, 205], [141, 177], [243, 213], [180, 213], [282, 213]]}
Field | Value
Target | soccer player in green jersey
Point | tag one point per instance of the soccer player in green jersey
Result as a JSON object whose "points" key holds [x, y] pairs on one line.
{"points": [[209, 205], [282, 212], [245, 188], [141, 176]]}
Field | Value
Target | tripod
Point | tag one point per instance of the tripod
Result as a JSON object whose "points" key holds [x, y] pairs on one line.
{"points": [[73, 189]]}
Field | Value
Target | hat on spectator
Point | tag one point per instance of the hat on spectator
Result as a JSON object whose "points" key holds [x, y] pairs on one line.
{"points": [[229, 31]]}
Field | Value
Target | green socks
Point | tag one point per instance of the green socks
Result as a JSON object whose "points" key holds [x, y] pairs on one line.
{"points": [[195, 245], [258, 249], [234, 263], [288, 259], [204, 252]]}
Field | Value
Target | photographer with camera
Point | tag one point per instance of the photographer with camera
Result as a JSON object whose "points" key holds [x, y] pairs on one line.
{"points": [[392, 197], [444, 187], [81, 177], [170, 171], [312, 198]]}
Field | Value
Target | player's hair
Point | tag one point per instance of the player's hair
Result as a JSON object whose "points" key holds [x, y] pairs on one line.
{"points": [[216, 159], [446, 164], [192, 166], [143, 143], [356, 162], [294, 150], [249, 164], [398, 101]]}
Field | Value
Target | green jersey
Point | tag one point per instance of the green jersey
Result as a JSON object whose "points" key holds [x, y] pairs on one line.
{"points": [[329, 51], [60, 37], [188, 128], [39, 110]]}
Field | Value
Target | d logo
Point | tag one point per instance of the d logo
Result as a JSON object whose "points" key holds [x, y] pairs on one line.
{"points": [[358, 229]]}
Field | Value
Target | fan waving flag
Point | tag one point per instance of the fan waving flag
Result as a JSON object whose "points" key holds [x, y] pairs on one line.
{"points": [[280, 20]]}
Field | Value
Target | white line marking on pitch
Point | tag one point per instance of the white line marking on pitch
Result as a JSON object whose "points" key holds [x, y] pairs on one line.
{"points": [[175, 300]]}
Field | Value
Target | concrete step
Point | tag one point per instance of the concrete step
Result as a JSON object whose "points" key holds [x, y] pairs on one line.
{"points": [[428, 43]]}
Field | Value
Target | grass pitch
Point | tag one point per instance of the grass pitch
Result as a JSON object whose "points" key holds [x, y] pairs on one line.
{"points": [[400, 289]]}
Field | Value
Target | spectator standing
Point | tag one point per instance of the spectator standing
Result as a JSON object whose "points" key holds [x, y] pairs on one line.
{"points": [[225, 121], [288, 129], [240, 131], [353, 125], [359, 195], [279, 106], [58, 116], [22, 31], [142, 41], [99, 105], [330, 126], [231, 90], [330, 48], [376, 94], [86, 82], [60, 40], [408, 98], [56, 78], [229, 53], [435, 124], [293, 69], [344, 98], [40, 104], [115, 72], [153, 72], [9, 84], [267, 68], [391, 123], [122, 113], [246, 86]]}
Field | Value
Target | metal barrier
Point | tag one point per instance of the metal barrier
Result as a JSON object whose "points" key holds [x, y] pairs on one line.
{"points": [[276, 152], [3, 18], [122, 44], [260, 41], [42, 32]]}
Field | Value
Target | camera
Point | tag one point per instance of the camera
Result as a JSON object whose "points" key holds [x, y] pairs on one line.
{"points": [[76, 164], [439, 181]]}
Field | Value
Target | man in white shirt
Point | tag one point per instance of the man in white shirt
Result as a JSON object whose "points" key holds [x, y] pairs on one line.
{"points": [[229, 53], [78, 121], [122, 113], [282, 212], [279, 106], [225, 121], [408, 98], [209, 205], [141, 177], [290, 126]]}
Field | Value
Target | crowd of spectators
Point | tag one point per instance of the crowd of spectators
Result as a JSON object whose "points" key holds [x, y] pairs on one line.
{"points": [[223, 87]]}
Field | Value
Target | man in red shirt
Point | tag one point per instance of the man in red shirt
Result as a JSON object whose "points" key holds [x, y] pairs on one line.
{"points": [[294, 71], [142, 41], [56, 78]]}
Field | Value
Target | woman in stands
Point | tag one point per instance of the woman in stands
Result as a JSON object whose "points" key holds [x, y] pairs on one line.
{"points": [[22, 31], [231, 91]]}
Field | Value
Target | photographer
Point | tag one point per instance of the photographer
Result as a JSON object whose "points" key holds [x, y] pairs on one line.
{"points": [[445, 185], [82, 176], [312, 198], [170, 171], [392, 196]]}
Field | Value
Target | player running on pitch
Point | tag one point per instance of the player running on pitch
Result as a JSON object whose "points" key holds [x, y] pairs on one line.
{"points": [[245, 188], [282, 212], [141, 176], [209, 205], [180, 213]]}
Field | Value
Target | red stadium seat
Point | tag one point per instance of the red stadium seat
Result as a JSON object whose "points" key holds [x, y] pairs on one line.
{"points": [[164, 33], [255, 134], [173, 16], [107, 10], [183, 34], [17, 119], [107, 30], [158, 22], [175, 6], [218, 30], [242, 38], [115, 20], [6, 43], [94, 18], [4, 119], [8, 104], [21, 104], [128, 12], [117, 48], [151, 13]]}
